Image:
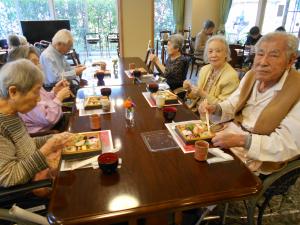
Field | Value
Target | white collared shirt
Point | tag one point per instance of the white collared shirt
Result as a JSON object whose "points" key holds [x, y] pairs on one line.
{"points": [[280, 145]]}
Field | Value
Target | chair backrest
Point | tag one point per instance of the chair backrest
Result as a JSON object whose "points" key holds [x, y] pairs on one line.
{"points": [[3, 43], [164, 34], [187, 61], [236, 58], [112, 37]]}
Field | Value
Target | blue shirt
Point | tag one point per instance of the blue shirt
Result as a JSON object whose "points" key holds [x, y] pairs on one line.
{"points": [[55, 66]]}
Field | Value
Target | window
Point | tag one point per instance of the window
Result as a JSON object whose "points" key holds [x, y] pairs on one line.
{"points": [[292, 24], [11, 12], [274, 15], [241, 18], [163, 17]]}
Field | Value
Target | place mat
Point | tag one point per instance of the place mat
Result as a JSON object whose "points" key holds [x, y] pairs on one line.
{"points": [[159, 140], [152, 103], [83, 112], [184, 147], [106, 146]]}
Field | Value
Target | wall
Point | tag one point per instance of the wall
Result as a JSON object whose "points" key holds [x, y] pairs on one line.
{"points": [[197, 11], [136, 20]]}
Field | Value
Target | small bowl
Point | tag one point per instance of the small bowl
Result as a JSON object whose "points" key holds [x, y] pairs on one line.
{"points": [[153, 87], [108, 162], [106, 91], [169, 113], [137, 73]]}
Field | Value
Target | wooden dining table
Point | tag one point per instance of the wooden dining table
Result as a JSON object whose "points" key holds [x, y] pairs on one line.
{"points": [[148, 184]]}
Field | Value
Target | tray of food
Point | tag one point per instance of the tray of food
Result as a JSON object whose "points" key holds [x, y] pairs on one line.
{"points": [[192, 132], [83, 145], [93, 102], [170, 97]]}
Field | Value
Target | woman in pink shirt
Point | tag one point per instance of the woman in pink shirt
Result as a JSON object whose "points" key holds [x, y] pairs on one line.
{"points": [[48, 111]]}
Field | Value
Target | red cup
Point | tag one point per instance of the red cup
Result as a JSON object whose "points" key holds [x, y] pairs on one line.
{"points": [[201, 150], [108, 162], [95, 122]]}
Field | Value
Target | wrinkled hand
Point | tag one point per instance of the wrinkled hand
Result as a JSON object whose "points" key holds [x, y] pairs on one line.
{"points": [[153, 57], [63, 93], [79, 69], [206, 107], [187, 85], [228, 140], [60, 85]]}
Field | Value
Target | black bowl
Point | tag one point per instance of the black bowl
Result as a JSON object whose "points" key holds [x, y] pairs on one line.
{"points": [[106, 91], [169, 113], [137, 73], [153, 87], [108, 162]]}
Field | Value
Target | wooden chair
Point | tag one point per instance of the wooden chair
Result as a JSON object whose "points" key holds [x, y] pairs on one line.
{"points": [[93, 39], [112, 38], [237, 56], [164, 36]]}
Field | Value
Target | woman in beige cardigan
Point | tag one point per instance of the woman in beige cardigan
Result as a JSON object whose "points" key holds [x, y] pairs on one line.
{"points": [[218, 79]]}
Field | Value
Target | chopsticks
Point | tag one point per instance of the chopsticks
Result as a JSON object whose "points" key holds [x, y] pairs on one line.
{"points": [[207, 116]]}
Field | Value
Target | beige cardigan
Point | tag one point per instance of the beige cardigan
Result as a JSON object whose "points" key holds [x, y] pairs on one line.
{"points": [[226, 82]]}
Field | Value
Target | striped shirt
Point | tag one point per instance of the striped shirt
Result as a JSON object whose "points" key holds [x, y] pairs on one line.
{"points": [[20, 158]]}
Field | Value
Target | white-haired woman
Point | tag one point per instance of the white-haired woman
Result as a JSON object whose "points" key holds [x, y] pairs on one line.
{"points": [[23, 158], [218, 79], [48, 111], [176, 64]]}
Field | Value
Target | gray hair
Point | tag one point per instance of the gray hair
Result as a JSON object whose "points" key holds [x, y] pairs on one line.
{"points": [[62, 36], [221, 39], [208, 24], [176, 41], [22, 74], [13, 41], [291, 40], [21, 52]]}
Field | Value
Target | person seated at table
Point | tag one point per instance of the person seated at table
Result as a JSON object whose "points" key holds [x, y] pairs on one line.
{"points": [[24, 158], [265, 108], [53, 60], [201, 38], [218, 79], [253, 37], [48, 111], [176, 65]]}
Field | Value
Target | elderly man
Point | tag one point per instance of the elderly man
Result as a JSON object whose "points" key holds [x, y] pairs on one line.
{"points": [[265, 108], [53, 60], [203, 36]]}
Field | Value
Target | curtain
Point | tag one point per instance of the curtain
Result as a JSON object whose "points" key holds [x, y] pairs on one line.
{"points": [[225, 6], [178, 14]]}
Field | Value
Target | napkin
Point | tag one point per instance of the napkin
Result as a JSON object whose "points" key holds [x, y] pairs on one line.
{"points": [[220, 156]]}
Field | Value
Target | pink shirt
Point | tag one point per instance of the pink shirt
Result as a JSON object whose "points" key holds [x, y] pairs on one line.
{"points": [[45, 115]]}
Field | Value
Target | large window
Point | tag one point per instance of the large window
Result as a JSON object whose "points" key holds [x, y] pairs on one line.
{"points": [[163, 17], [274, 15], [86, 16], [241, 18]]}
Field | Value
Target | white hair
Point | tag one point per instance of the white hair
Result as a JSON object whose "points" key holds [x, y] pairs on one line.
{"points": [[22, 74], [176, 41], [221, 39], [292, 42], [62, 36]]}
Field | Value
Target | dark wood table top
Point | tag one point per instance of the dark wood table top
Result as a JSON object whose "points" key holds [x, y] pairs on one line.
{"points": [[147, 182]]}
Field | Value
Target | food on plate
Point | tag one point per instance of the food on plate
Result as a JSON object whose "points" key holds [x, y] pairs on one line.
{"points": [[170, 98]]}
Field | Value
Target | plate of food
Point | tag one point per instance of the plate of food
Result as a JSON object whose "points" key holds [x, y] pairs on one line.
{"points": [[192, 132], [171, 98], [83, 145], [141, 69], [93, 102]]}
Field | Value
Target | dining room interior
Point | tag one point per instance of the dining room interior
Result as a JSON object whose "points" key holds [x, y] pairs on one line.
{"points": [[149, 112]]}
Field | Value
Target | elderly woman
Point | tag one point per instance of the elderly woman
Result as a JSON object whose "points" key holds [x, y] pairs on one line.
{"points": [[23, 158], [48, 111], [175, 69], [218, 79], [265, 108]]}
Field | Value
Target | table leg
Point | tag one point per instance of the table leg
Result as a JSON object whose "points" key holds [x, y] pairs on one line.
{"points": [[132, 222], [178, 218]]}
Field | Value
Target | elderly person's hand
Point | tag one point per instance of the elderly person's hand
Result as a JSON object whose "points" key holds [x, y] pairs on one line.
{"points": [[206, 107], [60, 85], [187, 85], [53, 147], [63, 94], [153, 58], [229, 140], [79, 69]]}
